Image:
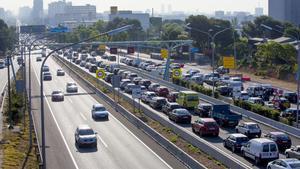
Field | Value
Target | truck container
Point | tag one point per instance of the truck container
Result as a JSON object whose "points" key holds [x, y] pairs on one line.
{"points": [[224, 116]]}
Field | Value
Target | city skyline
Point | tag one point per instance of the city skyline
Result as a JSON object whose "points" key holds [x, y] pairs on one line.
{"points": [[205, 6]]}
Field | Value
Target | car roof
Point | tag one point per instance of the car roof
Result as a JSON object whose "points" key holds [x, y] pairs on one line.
{"points": [[98, 105], [249, 123], [277, 133], [173, 103], [158, 98], [290, 160], [262, 140], [84, 126], [188, 92], [207, 119], [238, 135], [205, 104]]}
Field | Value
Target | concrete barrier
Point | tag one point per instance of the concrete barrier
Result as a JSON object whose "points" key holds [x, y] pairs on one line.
{"points": [[173, 149], [255, 117], [202, 144]]}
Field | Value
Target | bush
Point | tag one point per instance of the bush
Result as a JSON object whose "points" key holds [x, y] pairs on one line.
{"points": [[261, 110]]}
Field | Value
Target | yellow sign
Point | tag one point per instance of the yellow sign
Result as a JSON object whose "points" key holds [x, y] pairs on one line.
{"points": [[102, 47], [164, 53], [228, 62], [176, 73], [100, 74]]}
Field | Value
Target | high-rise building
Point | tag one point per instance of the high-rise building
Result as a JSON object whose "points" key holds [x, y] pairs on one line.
{"points": [[285, 10], [25, 14], [259, 11], [37, 12]]}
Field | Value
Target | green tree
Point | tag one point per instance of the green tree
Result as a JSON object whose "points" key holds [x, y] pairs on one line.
{"points": [[171, 31]]}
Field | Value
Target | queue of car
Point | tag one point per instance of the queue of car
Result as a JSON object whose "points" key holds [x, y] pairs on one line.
{"points": [[177, 105]]}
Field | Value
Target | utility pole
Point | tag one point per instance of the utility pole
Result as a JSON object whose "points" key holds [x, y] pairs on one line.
{"points": [[9, 94]]}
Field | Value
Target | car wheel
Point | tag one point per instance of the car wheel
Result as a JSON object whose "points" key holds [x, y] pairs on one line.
{"points": [[224, 144], [200, 133], [193, 130], [243, 153], [233, 149], [257, 160], [287, 155]]}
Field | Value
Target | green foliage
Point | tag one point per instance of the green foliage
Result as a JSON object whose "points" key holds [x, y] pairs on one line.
{"points": [[171, 31], [261, 110], [8, 37]]}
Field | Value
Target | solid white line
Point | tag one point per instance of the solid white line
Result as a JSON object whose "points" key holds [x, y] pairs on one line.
{"points": [[84, 118], [141, 142], [102, 141], [70, 100], [60, 131]]}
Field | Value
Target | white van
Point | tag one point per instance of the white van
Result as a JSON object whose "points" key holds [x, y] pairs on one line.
{"points": [[255, 91], [260, 149]]}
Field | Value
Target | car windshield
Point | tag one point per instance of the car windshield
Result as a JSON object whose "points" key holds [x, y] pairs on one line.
{"points": [[192, 98], [242, 139], [86, 132], [56, 92], [176, 106], [253, 126], [162, 101], [182, 112], [100, 109], [283, 137], [71, 84], [295, 165]]}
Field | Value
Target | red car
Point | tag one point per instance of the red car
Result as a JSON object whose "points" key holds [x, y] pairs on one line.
{"points": [[162, 91], [205, 126], [172, 96]]}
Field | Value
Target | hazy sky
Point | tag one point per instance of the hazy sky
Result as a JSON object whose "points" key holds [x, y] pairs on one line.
{"points": [[207, 6]]}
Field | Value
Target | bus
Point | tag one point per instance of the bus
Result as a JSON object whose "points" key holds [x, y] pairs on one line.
{"points": [[188, 99]]}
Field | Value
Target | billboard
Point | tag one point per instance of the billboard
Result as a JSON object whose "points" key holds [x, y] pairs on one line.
{"points": [[33, 29]]}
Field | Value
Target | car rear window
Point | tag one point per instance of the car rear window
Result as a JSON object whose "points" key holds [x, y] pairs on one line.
{"points": [[273, 148], [161, 101], [266, 148], [283, 137], [100, 109], [86, 132], [175, 106], [210, 124], [241, 139], [253, 126]]}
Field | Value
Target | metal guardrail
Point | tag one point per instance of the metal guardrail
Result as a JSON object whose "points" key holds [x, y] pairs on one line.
{"points": [[255, 117], [173, 149], [202, 144]]}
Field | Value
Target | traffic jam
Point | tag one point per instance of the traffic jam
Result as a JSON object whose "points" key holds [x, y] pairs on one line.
{"points": [[246, 138]]}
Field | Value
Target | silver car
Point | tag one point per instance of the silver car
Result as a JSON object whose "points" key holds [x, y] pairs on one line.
{"points": [[72, 87], [99, 112], [85, 136], [57, 95], [293, 152]]}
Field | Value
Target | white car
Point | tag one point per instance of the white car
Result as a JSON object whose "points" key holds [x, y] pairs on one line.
{"points": [[85, 136], [249, 129], [290, 163], [147, 96], [72, 87], [99, 112]]}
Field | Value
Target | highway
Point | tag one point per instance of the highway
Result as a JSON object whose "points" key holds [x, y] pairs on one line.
{"points": [[118, 147], [217, 142]]}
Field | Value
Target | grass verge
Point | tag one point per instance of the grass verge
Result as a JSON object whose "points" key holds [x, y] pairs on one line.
{"points": [[15, 143], [193, 151]]}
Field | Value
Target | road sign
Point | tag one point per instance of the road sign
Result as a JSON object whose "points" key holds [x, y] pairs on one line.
{"points": [[102, 48], [164, 53], [20, 86], [116, 81], [136, 93], [59, 29], [130, 50], [100, 74], [228, 62], [113, 50], [176, 73]]}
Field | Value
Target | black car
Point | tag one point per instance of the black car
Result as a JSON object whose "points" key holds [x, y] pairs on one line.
{"points": [[203, 109], [47, 76], [145, 82], [170, 106], [290, 96], [108, 77], [157, 102], [77, 62], [93, 68], [282, 140], [235, 141], [180, 116], [224, 90]]}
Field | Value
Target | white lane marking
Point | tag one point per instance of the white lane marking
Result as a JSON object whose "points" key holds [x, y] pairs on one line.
{"points": [[70, 100], [102, 141], [142, 142], [84, 118], [56, 123]]}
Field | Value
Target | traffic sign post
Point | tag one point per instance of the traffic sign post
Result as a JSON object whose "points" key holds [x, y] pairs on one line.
{"points": [[164, 53], [102, 48], [228, 62], [100, 74], [176, 73]]}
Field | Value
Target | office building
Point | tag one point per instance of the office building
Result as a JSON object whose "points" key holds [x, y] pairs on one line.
{"points": [[127, 14], [259, 11], [25, 14], [285, 10], [37, 12]]}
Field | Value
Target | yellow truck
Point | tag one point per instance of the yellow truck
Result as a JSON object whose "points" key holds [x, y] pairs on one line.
{"points": [[188, 99]]}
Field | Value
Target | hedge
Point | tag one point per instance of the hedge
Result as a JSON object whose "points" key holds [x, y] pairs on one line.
{"points": [[195, 87], [259, 109]]}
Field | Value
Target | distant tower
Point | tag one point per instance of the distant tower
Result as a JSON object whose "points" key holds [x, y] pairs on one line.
{"points": [[162, 9], [37, 11]]}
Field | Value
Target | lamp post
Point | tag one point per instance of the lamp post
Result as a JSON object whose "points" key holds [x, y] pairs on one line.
{"points": [[212, 37], [298, 63], [115, 31]]}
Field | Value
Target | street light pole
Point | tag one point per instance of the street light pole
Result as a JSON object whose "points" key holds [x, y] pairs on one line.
{"points": [[115, 31]]}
